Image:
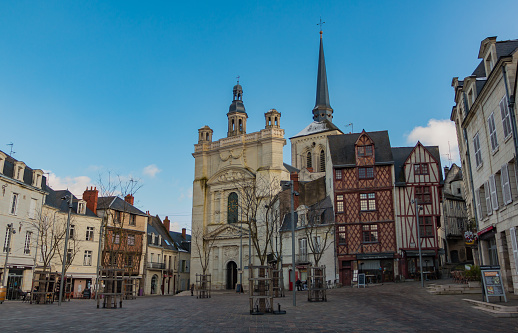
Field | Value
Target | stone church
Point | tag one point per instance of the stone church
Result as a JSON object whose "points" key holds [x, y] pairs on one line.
{"points": [[221, 164]]}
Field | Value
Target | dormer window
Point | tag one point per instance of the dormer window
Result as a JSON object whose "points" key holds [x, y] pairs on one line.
{"points": [[19, 170], [81, 207], [471, 98], [364, 151], [489, 64], [2, 161], [36, 178]]}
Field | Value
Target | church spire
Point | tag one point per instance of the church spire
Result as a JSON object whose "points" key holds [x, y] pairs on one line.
{"points": [[322, 109]]}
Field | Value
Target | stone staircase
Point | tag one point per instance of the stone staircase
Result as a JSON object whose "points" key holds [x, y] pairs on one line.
{"points": [[454, 289], [497, 310]]}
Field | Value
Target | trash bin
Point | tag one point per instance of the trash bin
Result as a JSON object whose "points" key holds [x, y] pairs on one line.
{"points": [[3, 291]]}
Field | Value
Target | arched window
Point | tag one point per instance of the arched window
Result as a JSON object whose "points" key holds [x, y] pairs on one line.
{"points": [[308, 160], [322, 161], [240, 125], [232, 208]]}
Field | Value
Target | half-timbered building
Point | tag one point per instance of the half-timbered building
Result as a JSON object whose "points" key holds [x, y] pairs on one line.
{"points": [[418, 182], [362, 179]]}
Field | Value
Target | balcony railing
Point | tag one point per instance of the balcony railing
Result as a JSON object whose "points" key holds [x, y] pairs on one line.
{"points": [[155, 265]]}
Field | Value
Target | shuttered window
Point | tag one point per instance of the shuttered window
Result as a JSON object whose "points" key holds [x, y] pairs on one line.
{"points": [[487, 192], [492, 132], [494, 194], [506, 186], [477, 203], [506, 117]]}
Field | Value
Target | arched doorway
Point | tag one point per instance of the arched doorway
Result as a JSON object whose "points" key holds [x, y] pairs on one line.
{"points": [[154, 281], [231, 275]]}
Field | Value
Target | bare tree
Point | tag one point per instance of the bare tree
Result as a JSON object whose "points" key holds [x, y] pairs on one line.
{"points": [[319, 229], [259, 202], [203, 244]]}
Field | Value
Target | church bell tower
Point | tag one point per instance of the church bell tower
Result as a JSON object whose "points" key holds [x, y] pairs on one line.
{"points": [[236, 113]]}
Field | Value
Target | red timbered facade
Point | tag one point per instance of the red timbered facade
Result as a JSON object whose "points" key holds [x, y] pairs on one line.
{"points": [[364, 212], [418, 177]]}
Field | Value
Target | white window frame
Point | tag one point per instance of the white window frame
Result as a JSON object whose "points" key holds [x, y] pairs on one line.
{"points": [[492, 132], [514, 243], [303, 246], [487, 195], [478, 152], [506, 117], [87, 259], [27, 245], [494, 194], [13, 207], [478, 204], [89, 233], [506, 185]]}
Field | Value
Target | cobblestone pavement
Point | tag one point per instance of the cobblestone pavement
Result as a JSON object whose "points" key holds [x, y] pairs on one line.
{"points": [[403, 307]]}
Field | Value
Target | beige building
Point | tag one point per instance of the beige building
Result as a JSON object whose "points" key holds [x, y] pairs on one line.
{"points": [[485, 119], [83, 244], [219, 168], [162, 259], [21, 199]]}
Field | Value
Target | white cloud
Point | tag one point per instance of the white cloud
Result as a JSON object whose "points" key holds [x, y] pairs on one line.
{"points": [[438, 132], [76, 185], [151, 170]]}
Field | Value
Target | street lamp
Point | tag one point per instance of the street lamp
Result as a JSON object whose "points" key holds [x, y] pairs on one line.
{"points": [[286, 184], [65, 250], [10, 232], [417, 208]]}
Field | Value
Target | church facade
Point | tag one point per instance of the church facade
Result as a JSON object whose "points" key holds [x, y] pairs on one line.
{"points": [[217, 213]]}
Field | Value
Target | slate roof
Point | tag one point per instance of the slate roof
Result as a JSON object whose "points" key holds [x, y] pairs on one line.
{"points": [[182, 244], [27, 175], [325, 204], [156, 227], [317, 127], [118, 204], [401, 154], [344, 155], [53, 199], [506, 47]]}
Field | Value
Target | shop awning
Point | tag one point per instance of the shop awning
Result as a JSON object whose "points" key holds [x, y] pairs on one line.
{"points": [[424, 253], [367, 256]]}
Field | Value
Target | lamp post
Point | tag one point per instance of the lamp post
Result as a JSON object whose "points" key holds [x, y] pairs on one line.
{"points": [[65, 250], [10, 232], [285, 184], [417, 207]]}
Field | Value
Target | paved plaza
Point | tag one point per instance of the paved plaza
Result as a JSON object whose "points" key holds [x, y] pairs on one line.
{"points": [[402, 307]]}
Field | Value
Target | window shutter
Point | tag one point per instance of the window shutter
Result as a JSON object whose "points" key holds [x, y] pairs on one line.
{"points": [[514, 244], [477, 202], [494, 196], [487, 190], [506, 187]]}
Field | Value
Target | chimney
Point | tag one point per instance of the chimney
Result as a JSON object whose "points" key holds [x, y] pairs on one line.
{"points": [[129, 199], [91, 196], [295, 178], [310, 169], [167, 223], [446, 170], [184, 233]]}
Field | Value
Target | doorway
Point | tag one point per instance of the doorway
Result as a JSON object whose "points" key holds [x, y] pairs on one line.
{"points": [[231, 275], [14, 283]]}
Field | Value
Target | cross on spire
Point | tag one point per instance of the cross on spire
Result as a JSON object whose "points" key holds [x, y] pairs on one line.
{"points": [[238, 79], [320, 24]]}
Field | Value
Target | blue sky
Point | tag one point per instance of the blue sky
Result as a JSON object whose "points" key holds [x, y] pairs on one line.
{"points": [[88, 87]]}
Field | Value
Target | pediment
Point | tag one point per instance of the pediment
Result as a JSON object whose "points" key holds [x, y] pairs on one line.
{"points": [[227, 231], [230, 175]]}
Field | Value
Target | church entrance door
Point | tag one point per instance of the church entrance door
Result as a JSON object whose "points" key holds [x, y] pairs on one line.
{"points": [[231, 275]]}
